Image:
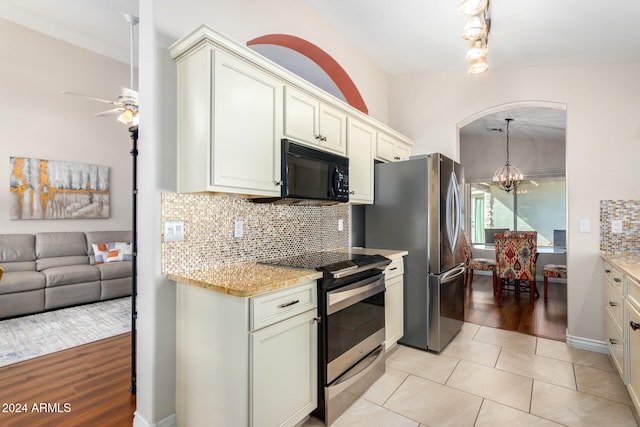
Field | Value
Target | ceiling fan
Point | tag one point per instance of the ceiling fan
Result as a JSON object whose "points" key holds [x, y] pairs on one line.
{"points": [[126, 105]]}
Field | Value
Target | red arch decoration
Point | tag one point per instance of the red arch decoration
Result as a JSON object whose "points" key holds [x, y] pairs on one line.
{"points": [[324, 61]]}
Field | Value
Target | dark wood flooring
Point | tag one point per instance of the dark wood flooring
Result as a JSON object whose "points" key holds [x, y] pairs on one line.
{"points": [[543, 320], [84, 386]]}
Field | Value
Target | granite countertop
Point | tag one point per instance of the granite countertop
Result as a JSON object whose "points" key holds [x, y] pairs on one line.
{"points": [[251, 279], [247, 279], [628, 263]]}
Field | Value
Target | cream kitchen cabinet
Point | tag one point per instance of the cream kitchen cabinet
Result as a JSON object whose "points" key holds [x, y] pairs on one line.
{"points": [[310, 121], [393, 302], [361, 139], [229, 123], [391, 149], [632, 327], [246, 361], [614, 308]]}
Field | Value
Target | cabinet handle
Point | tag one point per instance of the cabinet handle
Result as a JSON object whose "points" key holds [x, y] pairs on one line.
{"points": [[288, 304], [607, 271], [394, 268], [278, 183], [617, 279], [352, 192], [321, 138], [396, 158], [613, 304], [317, 319], [635, 326], [613, 342]]}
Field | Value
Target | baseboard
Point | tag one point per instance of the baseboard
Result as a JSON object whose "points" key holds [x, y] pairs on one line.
{"points": [[139, 421], [587, 344]]}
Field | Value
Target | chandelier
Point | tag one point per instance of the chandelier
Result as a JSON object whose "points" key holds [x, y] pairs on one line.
{"points": [[507, 177], [476, 31]]}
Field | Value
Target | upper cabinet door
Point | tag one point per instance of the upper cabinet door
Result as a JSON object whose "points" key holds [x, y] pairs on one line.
{"points": [[247, 127], [391, 149], [361, 140], [311, 122]]}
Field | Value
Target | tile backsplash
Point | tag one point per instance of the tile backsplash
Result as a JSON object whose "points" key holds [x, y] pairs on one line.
{"points": [[270, 231], [627, 241]]}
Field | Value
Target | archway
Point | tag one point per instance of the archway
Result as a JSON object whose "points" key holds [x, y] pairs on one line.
{"points": [[539, 203]]}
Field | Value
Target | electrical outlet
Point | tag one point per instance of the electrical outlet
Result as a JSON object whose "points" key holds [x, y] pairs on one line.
{"points": [[340, 225], [616, 226], [238, 229], [173, 231]]}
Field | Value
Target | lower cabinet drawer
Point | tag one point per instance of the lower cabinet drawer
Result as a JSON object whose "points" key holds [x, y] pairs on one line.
{"points": [[615, 343], [273, 307], [394, 269], [615, 304]]}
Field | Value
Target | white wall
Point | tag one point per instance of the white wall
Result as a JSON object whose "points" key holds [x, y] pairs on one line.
{"points": [[39, 122], [602, 147]]}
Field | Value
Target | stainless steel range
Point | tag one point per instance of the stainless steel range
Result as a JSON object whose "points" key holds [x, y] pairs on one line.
{"points": [[351, 329]]}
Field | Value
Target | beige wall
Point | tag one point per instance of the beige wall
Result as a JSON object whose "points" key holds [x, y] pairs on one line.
{"points": [[602, 147], [39, 122]]}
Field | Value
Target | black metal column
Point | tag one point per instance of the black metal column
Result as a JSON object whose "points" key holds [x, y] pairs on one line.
{"points": [[133, 131]]}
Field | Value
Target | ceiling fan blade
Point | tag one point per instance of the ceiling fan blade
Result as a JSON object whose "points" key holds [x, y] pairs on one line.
{"points": [[112, 111], [67, 92]]}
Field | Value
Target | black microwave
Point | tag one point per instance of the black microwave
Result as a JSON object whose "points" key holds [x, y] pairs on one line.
{"points": [[312, 174]]}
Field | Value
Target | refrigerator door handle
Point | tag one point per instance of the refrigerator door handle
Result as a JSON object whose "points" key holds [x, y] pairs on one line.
{"points": [[453, 213], [452, 274]]}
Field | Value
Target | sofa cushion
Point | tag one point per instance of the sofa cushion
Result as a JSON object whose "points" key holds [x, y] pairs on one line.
{"points": [[95, 237], [61, 261], [17, 252], [60, 244], [111, 252], [21, 281], [70, 274], [114, 270]]}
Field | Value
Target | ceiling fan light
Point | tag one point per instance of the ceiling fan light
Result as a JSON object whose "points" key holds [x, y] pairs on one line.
{"points": [[472, 7], [126, 117], [479, 66], [478, 50], [476, 28]]}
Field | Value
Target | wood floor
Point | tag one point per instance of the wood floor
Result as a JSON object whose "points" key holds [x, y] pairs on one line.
{"points": [[82, 386], [543, 320]]}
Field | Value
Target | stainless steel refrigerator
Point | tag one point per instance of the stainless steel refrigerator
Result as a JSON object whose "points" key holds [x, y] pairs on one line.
{"points": [[418, 208]]}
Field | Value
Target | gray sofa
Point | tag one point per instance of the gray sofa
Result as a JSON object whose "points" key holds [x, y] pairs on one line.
{"points": [[46, 271]]}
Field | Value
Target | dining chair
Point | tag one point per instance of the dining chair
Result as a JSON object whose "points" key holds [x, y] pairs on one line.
{"points": [[553, 270], [516, 261], [482, 264]]}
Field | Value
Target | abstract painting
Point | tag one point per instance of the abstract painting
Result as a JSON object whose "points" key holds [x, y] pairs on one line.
{"points": [[48, 189]]}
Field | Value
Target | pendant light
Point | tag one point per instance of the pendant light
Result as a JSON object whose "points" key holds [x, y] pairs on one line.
{"points": [[507, 177]]}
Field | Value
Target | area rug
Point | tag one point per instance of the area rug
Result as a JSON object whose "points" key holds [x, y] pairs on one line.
{"points": [[35, 335]]}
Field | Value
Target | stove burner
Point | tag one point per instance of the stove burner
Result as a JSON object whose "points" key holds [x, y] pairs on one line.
{"points": [[330, 262]]}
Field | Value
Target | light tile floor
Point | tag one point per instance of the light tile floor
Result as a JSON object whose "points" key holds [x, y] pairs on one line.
{"points": [[490, 377]]}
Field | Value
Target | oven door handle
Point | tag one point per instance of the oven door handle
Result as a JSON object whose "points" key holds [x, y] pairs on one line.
{"points": [[360, 370], [351, 294]]}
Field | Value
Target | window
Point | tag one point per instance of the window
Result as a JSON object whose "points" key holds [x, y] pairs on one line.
{"points": [[537, 205]]}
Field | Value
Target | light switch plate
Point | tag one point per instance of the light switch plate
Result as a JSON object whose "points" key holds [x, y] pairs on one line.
{"points": [[340, 225], [585, 226], [616, 226], [173, 231]]}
